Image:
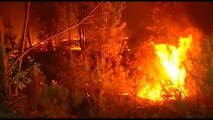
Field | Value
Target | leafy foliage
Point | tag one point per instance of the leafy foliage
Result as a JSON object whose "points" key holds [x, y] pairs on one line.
{"points": [[54, 100], [22, 78]]}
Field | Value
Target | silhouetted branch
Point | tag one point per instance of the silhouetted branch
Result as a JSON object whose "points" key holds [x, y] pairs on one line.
{"points": [[67, 29]]}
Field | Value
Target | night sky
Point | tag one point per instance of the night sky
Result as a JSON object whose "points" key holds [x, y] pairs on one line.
{"points": [[199, 13], [15, 12]]}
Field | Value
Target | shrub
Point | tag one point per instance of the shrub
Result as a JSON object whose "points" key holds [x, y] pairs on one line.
{"points": [[54, 101]]}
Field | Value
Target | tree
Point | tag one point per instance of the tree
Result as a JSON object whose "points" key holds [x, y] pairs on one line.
{"points": [[45, 18], [80, 9], [66, 13], [199, 73], [3, 58], [10, 37], [109, 36], [97, 68], [166, 23], [23, 41], [105, 45]]}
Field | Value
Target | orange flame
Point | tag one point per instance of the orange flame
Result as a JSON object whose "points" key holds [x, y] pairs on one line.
{"points": [[172, 59]]}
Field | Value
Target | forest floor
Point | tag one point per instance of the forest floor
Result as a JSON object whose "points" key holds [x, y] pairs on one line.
{"points": [[130, 108]]}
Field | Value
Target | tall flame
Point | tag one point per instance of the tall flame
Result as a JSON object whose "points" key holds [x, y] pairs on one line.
{"points": [[172, 59]]}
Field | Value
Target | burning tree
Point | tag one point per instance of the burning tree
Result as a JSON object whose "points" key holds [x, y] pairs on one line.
{"points": [[99, 63]]}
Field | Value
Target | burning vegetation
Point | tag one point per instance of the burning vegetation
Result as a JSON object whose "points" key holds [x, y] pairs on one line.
{"points": [[172, 84], [85, 62]]}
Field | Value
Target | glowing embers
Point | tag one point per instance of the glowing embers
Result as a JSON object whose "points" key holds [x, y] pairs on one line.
{"points": [[152, 93], [171, 85]]}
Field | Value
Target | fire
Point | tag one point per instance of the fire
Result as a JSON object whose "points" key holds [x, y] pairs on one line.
{"points": [[171, 59]]}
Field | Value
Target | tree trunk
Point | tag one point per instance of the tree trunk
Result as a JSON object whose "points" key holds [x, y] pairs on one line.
{"points": [[3, 65], [24, 33], [69, 56], [28, 37], [23, 40]]}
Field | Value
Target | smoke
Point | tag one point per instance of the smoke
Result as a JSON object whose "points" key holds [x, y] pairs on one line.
{"points": [[200, 14], [14, 11], [197, 37], [135, 15], [165, 22]]}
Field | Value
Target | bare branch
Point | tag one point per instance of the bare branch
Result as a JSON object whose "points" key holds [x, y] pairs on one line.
{"points": [[67, 29]]}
